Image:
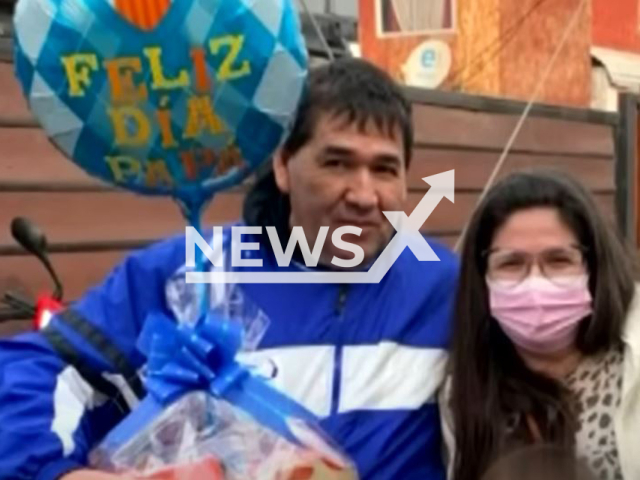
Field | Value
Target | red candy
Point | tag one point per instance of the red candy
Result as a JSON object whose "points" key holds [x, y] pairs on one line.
{"points": [[206, 469]]}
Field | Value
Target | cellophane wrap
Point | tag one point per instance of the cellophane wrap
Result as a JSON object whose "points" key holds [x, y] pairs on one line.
{"points": [[201, 436]]}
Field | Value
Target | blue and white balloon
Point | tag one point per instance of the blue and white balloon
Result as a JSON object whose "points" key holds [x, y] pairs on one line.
{"points": [[166, 97]]}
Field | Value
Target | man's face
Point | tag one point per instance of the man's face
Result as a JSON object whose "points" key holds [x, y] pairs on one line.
{"points": [[345, 177]]}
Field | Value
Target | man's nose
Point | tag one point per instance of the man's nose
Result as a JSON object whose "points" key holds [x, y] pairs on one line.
{"points": [[361, 191]]}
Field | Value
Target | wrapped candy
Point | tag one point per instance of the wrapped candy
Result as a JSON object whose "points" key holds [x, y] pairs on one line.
{"points": [[208, 417]]}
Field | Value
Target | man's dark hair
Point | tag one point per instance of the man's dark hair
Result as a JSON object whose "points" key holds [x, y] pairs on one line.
{"points": [[352, 88], [358, 91]]}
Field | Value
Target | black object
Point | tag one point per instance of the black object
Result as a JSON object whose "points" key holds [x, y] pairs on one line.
{"points": [[21, 307], [31, 238]]}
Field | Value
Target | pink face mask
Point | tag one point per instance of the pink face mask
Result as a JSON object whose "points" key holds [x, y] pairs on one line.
{"points": [[541, 316]]}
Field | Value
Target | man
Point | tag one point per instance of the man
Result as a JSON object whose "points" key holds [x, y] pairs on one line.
{"points": [[366, 359]]}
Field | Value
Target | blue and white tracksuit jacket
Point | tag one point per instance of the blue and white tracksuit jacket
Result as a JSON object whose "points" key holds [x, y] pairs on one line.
{"points": [[367, 359]]}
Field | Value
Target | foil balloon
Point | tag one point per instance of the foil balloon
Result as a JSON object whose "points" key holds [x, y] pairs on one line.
{"points": [[163, 97]]}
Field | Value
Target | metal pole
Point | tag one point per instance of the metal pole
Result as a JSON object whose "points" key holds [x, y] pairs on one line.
{"points": [[626, 147], [318, 30]]}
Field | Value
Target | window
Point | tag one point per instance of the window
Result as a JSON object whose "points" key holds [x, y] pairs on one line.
{"points": [[414, 17]]}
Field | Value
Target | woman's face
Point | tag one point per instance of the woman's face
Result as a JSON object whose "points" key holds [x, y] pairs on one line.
{"points": [[533, 250], [534, 241]]}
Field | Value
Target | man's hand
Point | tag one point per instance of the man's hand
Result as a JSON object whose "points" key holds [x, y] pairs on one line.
{"points": [[92, 475]]}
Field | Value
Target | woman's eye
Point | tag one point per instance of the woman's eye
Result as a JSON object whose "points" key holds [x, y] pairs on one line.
{"points": [[560, 262], [511, 265]]}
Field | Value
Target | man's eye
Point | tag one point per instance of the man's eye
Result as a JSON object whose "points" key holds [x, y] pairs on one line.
{"points": [[386, 170], [334, 163]]}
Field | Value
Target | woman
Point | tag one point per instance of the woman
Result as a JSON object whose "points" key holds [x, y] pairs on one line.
{"points": [[546, 341]]}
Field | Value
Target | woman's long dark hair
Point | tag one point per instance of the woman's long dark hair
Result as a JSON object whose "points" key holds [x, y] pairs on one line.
{"points": [[490, 382], [538, 462]]}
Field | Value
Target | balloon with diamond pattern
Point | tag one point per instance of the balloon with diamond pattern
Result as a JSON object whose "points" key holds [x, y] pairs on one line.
{"points": [[170, 97]]}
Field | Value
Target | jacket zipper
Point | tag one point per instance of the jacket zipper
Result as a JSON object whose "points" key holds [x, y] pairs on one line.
{"points": [[337, 359]]}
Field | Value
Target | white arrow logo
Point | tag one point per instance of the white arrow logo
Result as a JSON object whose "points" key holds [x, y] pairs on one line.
{"points": [[407, 235]]}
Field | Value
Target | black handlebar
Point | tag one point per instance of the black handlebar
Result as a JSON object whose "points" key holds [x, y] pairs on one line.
{"points": [[33, 240], [20, 304]]}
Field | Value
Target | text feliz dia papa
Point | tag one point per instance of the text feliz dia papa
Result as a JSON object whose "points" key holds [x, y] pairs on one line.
{"points": [[127, 94]]}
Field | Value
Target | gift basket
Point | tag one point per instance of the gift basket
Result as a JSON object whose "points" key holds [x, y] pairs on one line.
{"points": [[207, 416]]}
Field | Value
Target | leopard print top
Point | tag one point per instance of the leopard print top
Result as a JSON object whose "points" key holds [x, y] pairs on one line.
{"points": [[597, 386]]}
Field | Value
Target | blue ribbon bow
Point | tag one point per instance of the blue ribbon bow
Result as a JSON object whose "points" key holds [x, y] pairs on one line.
{"points": [[184, 359]]}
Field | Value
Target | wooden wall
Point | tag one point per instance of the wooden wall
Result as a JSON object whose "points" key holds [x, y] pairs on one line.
{"points": [[471, 143], [96, 223], [79, 214]]}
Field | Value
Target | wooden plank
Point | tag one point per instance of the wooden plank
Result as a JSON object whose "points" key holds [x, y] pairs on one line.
{"points": [[12, 102], [442, 126], [121, 216], [472, 169], [508, 106], [80, 247], [73, 217], [448, 217], [27, 155], [28, 158], [77, 271]]}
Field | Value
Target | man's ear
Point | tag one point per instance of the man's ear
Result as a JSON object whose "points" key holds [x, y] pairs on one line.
{"points": [[280, 171]]}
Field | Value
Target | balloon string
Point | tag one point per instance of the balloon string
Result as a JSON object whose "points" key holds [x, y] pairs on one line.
{"points": [[193, 216], [541, 81]]}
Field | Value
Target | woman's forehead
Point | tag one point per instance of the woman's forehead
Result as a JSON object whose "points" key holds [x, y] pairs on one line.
{"points": [[533, 229]]}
